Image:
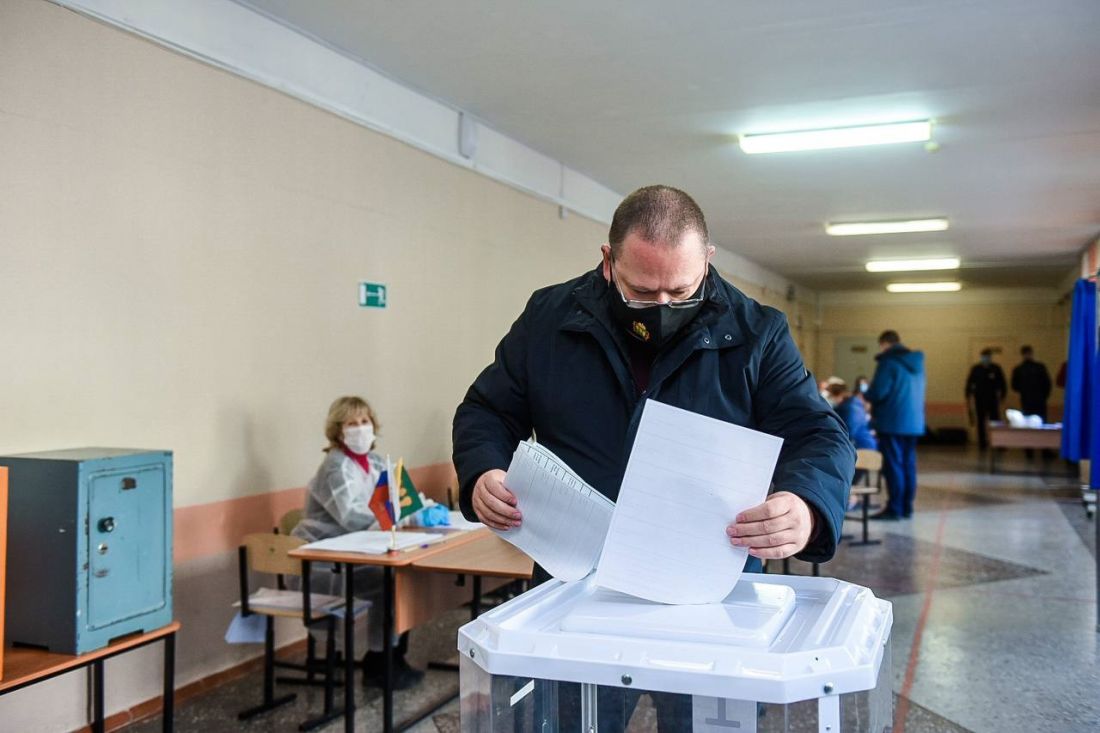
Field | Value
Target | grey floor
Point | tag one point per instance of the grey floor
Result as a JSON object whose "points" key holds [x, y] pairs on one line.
{"points": [[993, 586]]}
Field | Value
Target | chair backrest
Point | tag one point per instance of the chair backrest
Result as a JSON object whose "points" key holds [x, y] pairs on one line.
{"points": [[289, 521], [868, 459], [437, 483], [267, 553]]}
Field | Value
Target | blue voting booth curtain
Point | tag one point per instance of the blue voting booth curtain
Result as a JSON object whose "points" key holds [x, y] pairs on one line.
{"points": [[1094, 465], [1080, 413]]}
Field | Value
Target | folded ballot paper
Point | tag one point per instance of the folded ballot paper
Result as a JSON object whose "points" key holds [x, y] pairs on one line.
{"points": [[688, 476]]}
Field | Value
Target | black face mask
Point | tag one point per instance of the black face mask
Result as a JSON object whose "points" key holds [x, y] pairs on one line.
{"points": [[655, 325]]}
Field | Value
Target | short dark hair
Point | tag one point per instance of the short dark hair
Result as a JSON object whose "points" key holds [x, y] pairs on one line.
{"points": [[1025, 350], [657, 213], [889, 337], [987, 351]]}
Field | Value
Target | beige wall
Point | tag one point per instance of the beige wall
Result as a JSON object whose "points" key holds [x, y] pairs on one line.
{"points": [[950, 335], [181, 251]]}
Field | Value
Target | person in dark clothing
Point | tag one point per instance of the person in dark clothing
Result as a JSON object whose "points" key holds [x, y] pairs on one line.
{"points": [[986, 387], [1032, 380], [896, 395], [655, 321]]}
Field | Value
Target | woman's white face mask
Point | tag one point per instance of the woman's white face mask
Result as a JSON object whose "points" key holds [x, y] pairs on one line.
{"points": [[360, 438]]}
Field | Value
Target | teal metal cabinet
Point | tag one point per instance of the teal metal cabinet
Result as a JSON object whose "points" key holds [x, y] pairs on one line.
{"points": [[89, 546]]}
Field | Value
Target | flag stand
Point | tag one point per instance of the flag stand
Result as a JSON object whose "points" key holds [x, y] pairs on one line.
{"points": [[393, 504]]}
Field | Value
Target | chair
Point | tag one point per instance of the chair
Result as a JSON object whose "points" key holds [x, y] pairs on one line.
{"points": [[868, 461], [267, 553], [286, 525], [289, 521]]}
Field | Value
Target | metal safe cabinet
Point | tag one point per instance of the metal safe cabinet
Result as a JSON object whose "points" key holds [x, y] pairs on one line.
{"points": [[89, 546]]}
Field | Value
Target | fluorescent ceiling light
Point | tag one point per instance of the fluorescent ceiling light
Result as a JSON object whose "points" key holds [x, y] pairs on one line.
{"points": [[944, 287], [848, 229], [940, 263], [840, 137]]}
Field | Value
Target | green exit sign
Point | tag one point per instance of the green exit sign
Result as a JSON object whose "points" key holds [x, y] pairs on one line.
{"points": [[372, 295]]}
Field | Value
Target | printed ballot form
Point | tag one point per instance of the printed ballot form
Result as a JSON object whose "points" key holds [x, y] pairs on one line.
{"points": [[688, 477], [565, 520]]}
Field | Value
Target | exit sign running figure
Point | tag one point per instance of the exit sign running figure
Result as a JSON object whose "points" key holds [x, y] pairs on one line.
{"points": [[372, 295]]}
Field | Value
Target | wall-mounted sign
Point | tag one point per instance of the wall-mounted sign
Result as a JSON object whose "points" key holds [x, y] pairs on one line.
{"points": [[372, 295]]}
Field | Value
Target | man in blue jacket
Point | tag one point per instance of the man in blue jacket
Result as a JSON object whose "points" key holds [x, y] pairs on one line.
{"points": [[655, 321], [896, 395]]}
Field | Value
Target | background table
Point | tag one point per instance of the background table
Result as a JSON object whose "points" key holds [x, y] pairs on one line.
{"points": [[25, 667], [484, 556], [414, 591], [1001, 435]]}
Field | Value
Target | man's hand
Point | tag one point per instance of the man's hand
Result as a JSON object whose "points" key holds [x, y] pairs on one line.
{"points": [[495, 505], [778, 528]]}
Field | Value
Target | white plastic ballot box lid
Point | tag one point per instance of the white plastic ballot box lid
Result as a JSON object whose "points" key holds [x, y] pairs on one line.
{"points": [[774, 639]]}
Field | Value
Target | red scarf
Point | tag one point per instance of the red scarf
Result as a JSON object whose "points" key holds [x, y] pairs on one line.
{"points": [[361, 458]]}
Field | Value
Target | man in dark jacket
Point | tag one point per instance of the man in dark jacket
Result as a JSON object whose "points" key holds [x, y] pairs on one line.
{"points": [[655, 321], [896, 395], [986, 386], [1032, 380]]}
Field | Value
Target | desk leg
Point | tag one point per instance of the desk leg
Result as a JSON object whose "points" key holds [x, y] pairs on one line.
{"points": [[475, 604], [349, 648], [387, 648], [169, 700], [97, 697]]}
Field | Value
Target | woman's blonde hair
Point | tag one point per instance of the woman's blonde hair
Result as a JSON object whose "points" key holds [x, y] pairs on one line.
{"points": [[342, 410]]}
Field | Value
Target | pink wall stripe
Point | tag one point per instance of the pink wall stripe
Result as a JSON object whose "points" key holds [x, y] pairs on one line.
{"points": [[201, 530]]}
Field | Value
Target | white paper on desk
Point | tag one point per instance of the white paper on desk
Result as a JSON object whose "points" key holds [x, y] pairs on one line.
{"points": [[372, 542], [460, 522], [565, 520], [688, 477], [273, 599]]}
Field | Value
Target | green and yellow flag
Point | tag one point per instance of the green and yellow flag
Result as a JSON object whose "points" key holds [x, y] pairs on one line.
{"points": [[409, 497]]}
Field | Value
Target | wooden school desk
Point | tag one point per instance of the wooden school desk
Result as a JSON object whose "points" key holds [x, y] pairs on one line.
{"points": [[486, 556], [26, 667], [414, 592], [1001, 435]]}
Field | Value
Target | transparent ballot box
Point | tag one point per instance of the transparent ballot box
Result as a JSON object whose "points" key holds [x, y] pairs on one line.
{"points": [[780, 653]]}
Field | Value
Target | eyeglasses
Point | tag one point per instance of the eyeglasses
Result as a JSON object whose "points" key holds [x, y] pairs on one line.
{"points": [[688, 303]]}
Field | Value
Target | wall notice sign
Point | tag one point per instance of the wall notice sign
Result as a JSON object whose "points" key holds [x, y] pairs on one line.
{"points": [[372, 295]]}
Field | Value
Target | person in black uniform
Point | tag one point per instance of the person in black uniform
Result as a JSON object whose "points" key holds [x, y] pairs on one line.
{"points": [[1032, 380], [986, 386]]}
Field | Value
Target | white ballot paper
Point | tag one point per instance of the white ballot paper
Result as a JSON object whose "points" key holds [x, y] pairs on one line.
{"points": [[688, 477], [564, 519]]}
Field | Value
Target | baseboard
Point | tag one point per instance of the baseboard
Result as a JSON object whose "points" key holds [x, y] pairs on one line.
{"points": [[149, 708]]}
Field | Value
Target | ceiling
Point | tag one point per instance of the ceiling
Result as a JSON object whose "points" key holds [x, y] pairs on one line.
{"points": [[651, 91]]}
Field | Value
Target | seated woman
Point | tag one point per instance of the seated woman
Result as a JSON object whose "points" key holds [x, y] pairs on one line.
{"points": [[337, 503], [852, 409]]}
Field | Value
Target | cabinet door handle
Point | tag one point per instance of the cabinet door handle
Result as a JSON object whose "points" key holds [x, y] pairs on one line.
{"points": [[129, 483]]}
